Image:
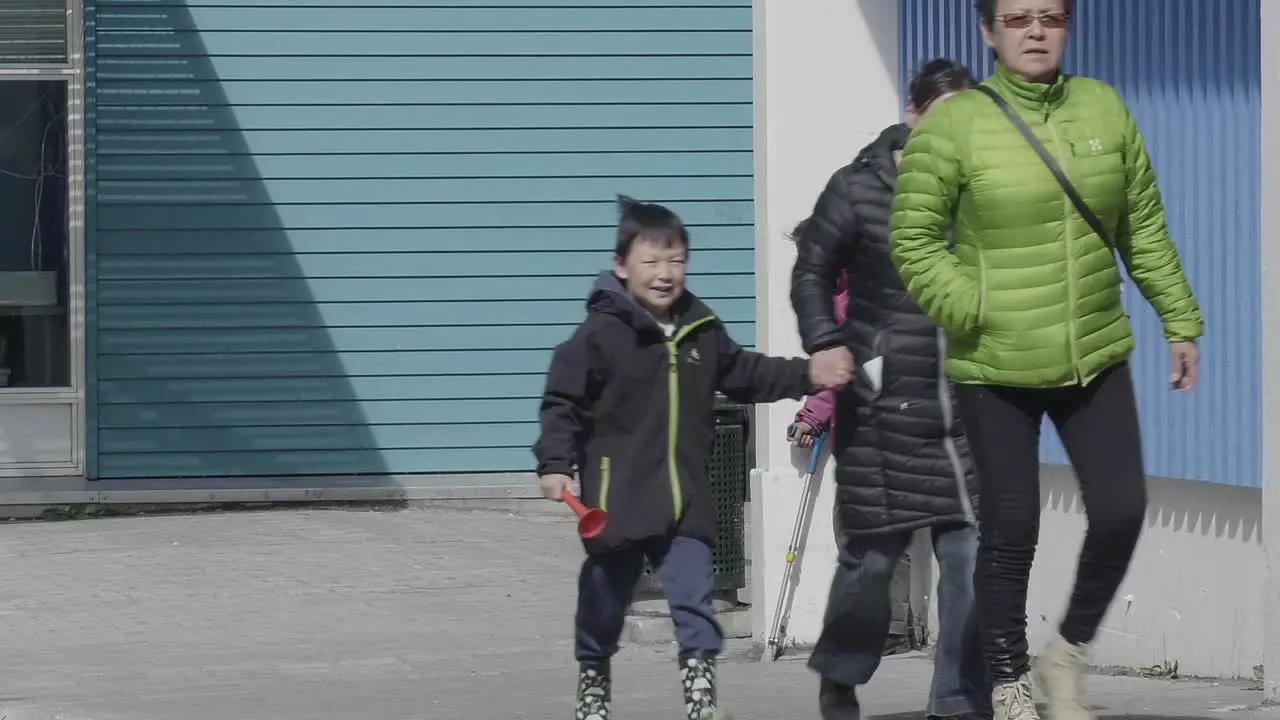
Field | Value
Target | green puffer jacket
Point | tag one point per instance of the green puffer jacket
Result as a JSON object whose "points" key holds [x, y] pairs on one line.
{"points": [[1031, 296]]}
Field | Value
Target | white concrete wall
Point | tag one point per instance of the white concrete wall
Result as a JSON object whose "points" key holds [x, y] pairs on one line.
{"points": [[826, 84], [1193, 595], [1195, 592]]}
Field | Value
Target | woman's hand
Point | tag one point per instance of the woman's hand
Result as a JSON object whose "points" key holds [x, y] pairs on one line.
{"points": [[1184, 365], [801, 434]]}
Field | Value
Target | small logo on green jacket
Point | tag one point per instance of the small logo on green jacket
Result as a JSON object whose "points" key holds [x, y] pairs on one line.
{"points": [[1095, 146]]}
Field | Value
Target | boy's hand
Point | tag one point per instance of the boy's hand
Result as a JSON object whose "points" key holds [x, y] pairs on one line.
{"points": [[554, 487], [802, 435], [831, 369]]}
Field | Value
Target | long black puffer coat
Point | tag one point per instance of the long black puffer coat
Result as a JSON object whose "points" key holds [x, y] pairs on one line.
{"points": [[902, 461]]}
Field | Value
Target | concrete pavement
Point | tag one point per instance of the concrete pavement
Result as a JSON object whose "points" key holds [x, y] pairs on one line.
{"points": [[372, 615]]}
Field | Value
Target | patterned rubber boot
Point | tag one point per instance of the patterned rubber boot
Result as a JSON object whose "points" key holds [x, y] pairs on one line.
{"points": [[595, 692], [698, 675]]}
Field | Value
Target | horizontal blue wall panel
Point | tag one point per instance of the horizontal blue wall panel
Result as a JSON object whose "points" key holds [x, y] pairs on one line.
{"points": [[321, 437], [326, 230], [410, 142], [356, 314], [321, 389], [274, 463], [306, 69], [321, 364], [369, 338], [259, 43], [162, 92], [420, 117], [194, 416], [357, 18], [136, 5], [339, 191], [356, 289], [398, 265], [396, 240], [376, 215], [353, 364], [489, 166], [1189, 71]]}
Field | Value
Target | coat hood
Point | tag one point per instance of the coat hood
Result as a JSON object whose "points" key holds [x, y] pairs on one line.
{"points": [[609, 296], [878, 156]]}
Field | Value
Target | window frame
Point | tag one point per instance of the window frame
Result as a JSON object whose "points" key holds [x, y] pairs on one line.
{"points": [[72, 73]]}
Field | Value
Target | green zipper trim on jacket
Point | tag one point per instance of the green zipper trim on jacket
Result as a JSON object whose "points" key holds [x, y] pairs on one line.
{"points": [[673, 411], [982, 290], [1067, 205], [604, 483]]}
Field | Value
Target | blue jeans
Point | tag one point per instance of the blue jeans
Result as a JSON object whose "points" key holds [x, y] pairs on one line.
{"points": [[856, 625], [607, 582]]}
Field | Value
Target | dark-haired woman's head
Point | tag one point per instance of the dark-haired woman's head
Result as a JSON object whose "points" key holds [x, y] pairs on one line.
{"points": [[934, 82], [1028, 36], [798, 230]]}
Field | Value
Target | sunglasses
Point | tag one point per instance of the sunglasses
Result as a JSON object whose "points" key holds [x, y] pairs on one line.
{"points": [[1023, 20]]}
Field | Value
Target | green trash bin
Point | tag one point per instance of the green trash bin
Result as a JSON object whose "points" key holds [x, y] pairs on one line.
{"points": [[729, 473]]}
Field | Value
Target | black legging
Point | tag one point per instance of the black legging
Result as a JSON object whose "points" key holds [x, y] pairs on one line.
{"points": [[1098, 424]]}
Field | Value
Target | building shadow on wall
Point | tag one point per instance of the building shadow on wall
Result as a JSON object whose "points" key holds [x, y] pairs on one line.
{"points": [[215, 364], [882, 18], [1182, 506]]}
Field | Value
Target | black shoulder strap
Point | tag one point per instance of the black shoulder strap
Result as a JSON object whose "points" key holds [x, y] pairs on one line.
{"points": [[1081, 206]]}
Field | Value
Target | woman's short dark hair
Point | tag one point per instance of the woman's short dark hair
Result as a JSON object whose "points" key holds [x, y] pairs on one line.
{"points": [[937, 78], [794, 235], [987, 10]]}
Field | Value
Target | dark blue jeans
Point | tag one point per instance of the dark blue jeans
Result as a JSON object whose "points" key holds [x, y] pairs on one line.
{"points": [[607, 582], [856, 625]]}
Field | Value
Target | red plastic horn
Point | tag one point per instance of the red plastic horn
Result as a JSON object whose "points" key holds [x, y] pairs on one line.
{"points": [[591, 521]]}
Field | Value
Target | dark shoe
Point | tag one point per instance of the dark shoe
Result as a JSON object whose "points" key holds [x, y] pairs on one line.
{"points": [[838, 701], [595, 691], [698, 676]]}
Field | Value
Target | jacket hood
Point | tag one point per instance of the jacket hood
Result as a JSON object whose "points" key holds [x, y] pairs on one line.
{"points": [[609, 296], [878, 155]]}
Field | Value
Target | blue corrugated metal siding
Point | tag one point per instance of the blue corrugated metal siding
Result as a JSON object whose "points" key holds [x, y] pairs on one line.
{"points": [[336, 237], [1190, 72]]}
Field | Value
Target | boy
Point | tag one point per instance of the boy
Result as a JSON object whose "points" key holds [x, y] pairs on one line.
{"points": [[630, 408]]}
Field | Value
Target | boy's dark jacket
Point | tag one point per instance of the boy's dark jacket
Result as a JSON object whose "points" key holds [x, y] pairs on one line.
{"points": [[632, 413]]}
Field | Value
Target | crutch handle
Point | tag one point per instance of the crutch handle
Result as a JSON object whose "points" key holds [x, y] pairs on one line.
{"points": [[815, 455]]}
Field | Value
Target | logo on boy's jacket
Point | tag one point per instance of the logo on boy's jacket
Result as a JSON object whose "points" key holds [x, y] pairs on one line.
{"points": [[694, 358], [1095, 146]]}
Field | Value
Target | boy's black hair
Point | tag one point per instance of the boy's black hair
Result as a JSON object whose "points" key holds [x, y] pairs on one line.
{"points": [[650, 221], [936, 78], [987, 10]]}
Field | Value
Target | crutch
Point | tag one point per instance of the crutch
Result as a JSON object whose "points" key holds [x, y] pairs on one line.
{"points": [[799, 535]]}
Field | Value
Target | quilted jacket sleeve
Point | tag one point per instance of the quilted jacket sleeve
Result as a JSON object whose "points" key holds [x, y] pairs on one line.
{"points": [[928, 187], [828, 237], [1144, 245]]}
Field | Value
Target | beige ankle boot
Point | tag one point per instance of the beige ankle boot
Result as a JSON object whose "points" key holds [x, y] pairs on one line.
{"points": [[1059, 674]]}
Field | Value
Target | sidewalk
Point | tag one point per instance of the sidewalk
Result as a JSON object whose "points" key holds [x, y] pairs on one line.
{"points": [[355, 614]]}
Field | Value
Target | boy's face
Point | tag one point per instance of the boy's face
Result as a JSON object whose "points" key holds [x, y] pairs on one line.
{"points": [[654, 274]]}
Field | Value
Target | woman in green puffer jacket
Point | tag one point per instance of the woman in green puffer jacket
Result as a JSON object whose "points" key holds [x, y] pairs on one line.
{"points": [[1030, 303]]}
